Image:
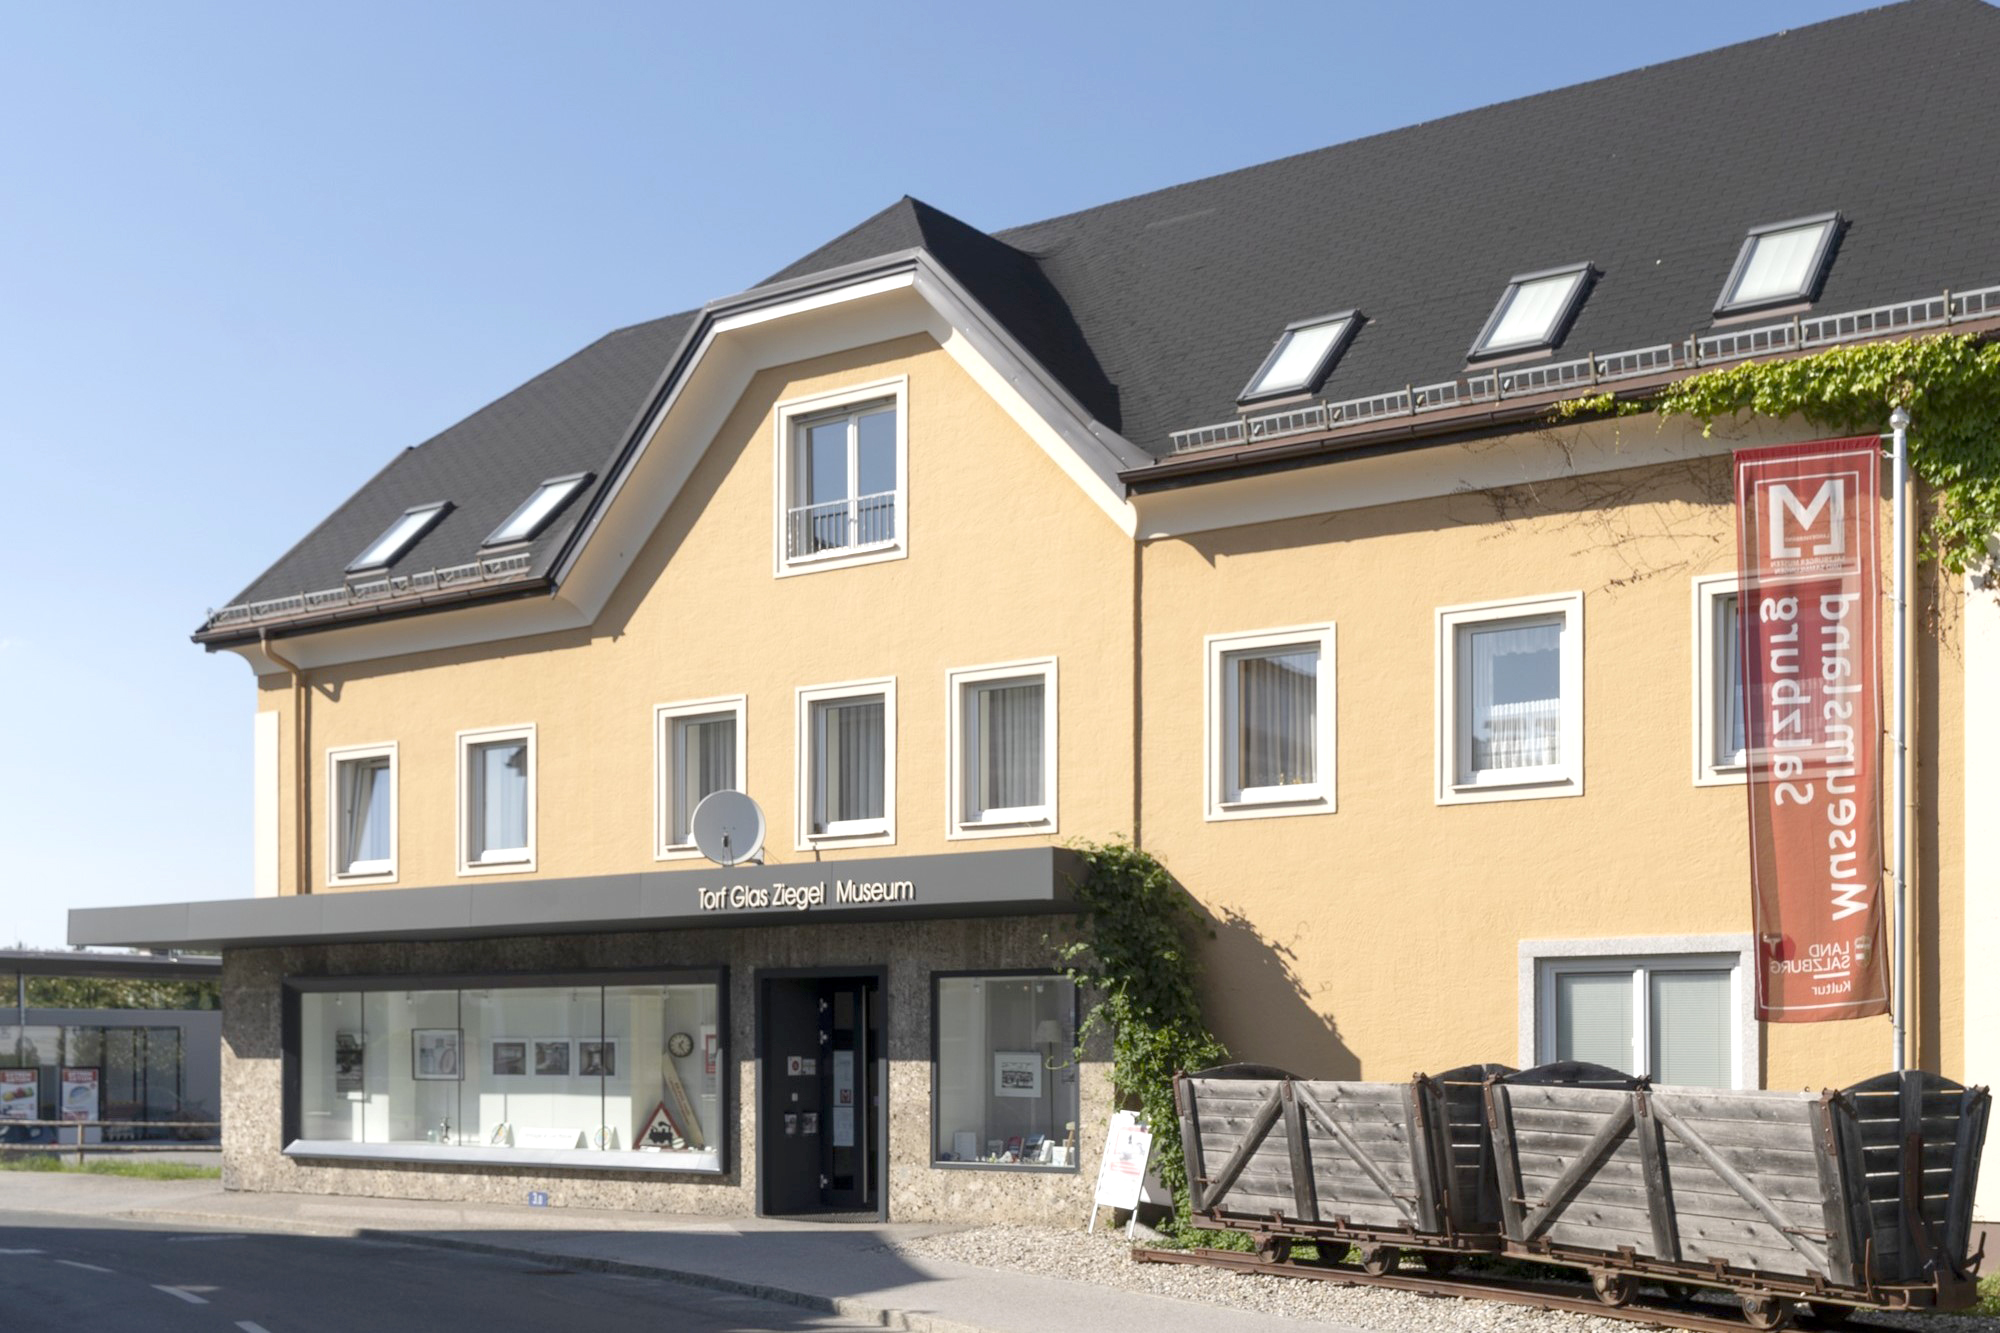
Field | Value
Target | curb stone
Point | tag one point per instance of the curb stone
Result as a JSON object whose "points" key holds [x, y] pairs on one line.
{"points": [[905, 1321]]}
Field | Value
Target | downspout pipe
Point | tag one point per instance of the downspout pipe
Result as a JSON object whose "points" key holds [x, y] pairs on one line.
{"points": [[301, 807], [1899, 492]]}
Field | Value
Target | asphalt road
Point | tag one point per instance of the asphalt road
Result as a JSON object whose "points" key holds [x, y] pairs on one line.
{"points": [[76, 1275]]}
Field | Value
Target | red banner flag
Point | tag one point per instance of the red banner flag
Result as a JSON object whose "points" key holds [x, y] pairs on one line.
{"points": [[1807, 606]]}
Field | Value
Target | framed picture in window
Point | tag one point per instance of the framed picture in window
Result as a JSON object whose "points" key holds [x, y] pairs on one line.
{"points": [[1017, 1073], [510, 1057], [597, 1058], [347, 1063], [434, 1054], [552, 1057]]}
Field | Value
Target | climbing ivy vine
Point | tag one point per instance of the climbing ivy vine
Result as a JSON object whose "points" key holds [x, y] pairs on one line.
{"points": [[1135, 956], [1950, 383]]}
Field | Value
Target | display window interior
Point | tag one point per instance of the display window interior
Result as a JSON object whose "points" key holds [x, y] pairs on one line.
{"points": [[1006, 1091], [627, 1076]]}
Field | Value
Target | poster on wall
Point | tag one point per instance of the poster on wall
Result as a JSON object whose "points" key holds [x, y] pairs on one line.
{"points": [[20, 1093], [552, 1057], [347, 1063], [80, 1093], [1808, 589], [510, 1057], [434, 1054], [597, 1059], [1017, 1074]]}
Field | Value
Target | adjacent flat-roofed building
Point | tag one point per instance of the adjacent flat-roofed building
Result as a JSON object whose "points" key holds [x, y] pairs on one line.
{"points": [[1231, 519]]}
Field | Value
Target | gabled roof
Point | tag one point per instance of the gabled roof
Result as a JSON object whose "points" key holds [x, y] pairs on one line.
{"points": [[1153, 311]]}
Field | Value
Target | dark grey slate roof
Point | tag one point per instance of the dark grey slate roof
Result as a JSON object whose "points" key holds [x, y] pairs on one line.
{"points": [[572, 417], [1153, 311]]}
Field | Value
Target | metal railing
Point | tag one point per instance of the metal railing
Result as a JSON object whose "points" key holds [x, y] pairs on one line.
{"points": [[496, 570], [840, 525], [1696, 351], [59, 1147]]}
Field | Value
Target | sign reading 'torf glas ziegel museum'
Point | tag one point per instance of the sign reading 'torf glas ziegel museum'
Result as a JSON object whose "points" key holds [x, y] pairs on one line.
{"points": [[1807, 611]]}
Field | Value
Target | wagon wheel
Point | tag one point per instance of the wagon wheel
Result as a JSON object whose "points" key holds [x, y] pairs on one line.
{"points": [[1766, 1311], [1613, 1288], [1379, 1259], [1275, 1249], [1437, 1263], [1828, 1314]]}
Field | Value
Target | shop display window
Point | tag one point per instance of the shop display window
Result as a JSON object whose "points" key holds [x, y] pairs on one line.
{"points": [[1004, 1081], [584, 1072]]}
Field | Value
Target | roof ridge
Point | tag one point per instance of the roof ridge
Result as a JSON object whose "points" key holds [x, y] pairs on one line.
{"points": [[1005, 232]]}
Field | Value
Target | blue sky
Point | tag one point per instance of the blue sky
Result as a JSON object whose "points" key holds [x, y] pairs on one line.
{"points": [[248, 252]]}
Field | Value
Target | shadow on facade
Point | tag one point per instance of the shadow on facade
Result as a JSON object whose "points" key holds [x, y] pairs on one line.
{"points": [[1262, 1011]]}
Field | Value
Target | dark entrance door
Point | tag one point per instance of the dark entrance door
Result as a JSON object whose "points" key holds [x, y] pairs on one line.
{"points": [[821, 1076]]}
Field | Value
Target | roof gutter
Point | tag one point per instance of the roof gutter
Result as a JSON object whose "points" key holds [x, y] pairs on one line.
{"points": [[375, 613]]}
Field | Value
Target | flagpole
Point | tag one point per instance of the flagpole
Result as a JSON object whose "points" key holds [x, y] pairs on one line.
{"points": [[1899, 426]]}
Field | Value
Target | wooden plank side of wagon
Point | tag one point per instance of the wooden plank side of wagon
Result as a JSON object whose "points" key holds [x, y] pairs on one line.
{"points": [[1363, 1169]]}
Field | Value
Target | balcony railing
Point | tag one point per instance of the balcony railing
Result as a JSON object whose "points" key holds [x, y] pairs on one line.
{"points": [[840, 525]]}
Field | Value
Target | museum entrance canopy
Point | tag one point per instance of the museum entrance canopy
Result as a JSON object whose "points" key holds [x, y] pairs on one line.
{"points": [[1017, 882]]}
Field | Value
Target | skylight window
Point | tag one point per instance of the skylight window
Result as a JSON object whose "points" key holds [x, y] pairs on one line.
{"points": [[400, 536], [1780, 263], [1533, 311], [536, 511], [1304, 353]]}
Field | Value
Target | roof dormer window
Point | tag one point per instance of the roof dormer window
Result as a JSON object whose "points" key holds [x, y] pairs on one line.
{"points": [[1779, 263], [1302, 357], [536, 511], [399, 537], [1534, 311]]}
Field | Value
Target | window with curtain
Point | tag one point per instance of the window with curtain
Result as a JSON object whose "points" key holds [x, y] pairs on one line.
{"points": [[364, 792], [499, 798], [1270, 738], [701, 760], [1273, 711], [1511, 674], [850, 745], [1728, 696], [1004, 739], [1673, 1018]]}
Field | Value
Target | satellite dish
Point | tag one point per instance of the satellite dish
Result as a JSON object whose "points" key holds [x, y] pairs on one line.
{"points": [[728, 827]]}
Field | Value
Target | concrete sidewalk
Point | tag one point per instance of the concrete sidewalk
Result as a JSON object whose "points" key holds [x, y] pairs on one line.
{"points": [[844, 1269]]}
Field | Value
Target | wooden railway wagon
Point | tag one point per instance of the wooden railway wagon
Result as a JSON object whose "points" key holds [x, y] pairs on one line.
{"points": [[1856, 1197]]}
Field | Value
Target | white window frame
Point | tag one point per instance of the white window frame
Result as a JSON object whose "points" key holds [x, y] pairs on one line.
{"points": [[370, 872], [791, 414], [1456, 786], [666, 764], [1017, 822], [1708, 592], [853, 832], [1541, 961], [1219, 736], [512, 861]]}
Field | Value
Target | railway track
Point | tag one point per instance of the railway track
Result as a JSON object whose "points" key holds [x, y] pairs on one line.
{"points": [[1539, 1295]]}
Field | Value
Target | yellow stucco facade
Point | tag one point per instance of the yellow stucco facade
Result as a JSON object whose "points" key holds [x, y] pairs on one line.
{"points": [[1378, 938]]}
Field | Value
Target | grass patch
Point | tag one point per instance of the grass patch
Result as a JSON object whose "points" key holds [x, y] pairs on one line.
{"points": [[1989, 1297], [133, 1170]]}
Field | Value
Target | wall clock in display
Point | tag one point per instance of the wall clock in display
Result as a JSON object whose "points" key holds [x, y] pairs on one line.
{"points": [[680, 1045]]}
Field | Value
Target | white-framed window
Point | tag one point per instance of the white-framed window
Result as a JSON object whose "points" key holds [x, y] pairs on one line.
{"points": [[361, 813], [1269, 742], [842, 478], [1510, 699], [698, 747], [496, 800], [1002, 757], [846, 782], [1675, 1008], [1719, 719]]}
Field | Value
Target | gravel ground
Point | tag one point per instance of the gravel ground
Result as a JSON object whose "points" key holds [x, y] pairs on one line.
{"points": [[1104, 1258]]}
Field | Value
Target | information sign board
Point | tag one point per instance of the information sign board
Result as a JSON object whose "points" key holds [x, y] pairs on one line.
{"points": [[20, 1091], [80, 1094], [1121, 1172]]}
